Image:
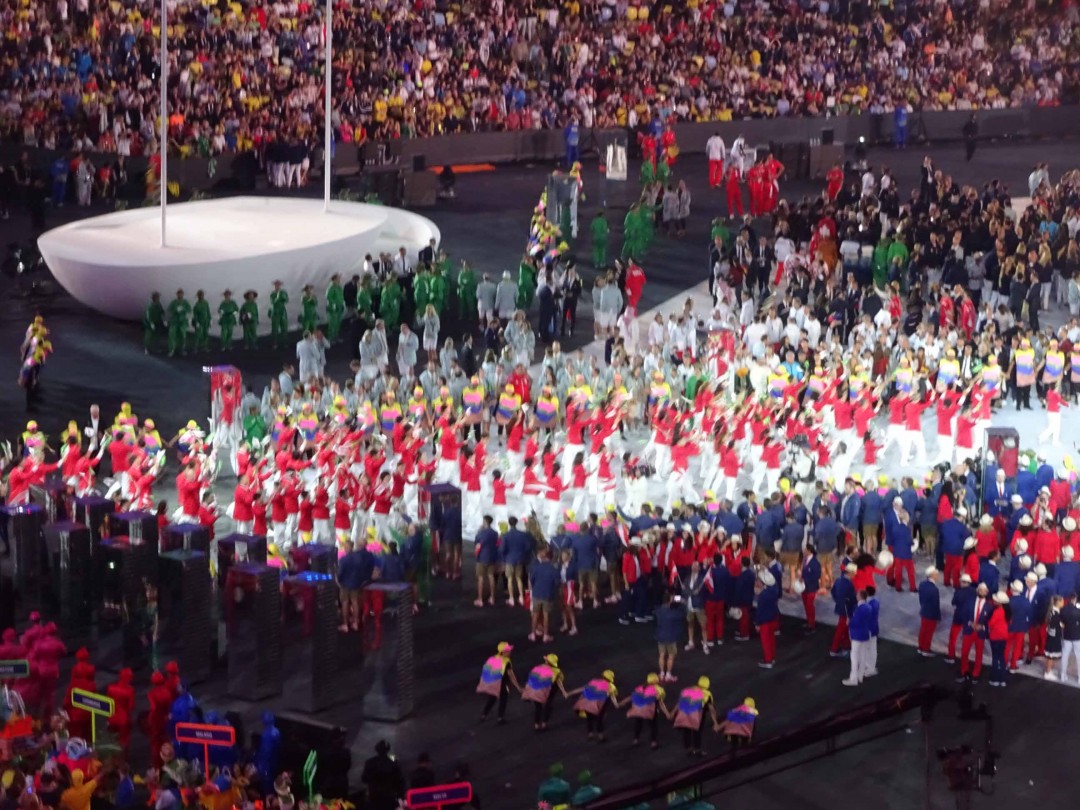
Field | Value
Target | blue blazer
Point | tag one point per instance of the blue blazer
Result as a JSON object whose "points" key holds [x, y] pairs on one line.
{"points": [[1021, 614], [929, 601]]}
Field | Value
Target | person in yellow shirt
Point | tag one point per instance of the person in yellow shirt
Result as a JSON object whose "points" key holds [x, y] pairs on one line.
{"points": [[77, 797]]}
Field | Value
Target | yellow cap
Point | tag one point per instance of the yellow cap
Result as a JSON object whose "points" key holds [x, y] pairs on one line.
{"points": [[883, 479], [609, 675], [552, 658], [750, 702], [652, 678], [504, 646], [704, 682]]}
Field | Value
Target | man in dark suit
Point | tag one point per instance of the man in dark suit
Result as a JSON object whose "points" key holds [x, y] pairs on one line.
{"points": [[761, 265], [427, 254]]}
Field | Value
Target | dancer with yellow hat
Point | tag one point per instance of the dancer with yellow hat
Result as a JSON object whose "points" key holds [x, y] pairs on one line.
{"points": [[496, 678], [694, 702], [644, 702], [595, 698], [540, 688]]}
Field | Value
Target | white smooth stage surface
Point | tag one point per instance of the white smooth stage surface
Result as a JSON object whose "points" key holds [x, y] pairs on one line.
{"points": [[113, 262]]}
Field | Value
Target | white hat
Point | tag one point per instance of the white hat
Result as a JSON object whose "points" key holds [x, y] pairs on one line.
{"points": [[1017, 586], [1021, 546], [1017, 500], [1001, 598], [961, 512], [986, 520], [799, 587], [1067, 553], [930, 570], [965, 579], [897, 501], [1044, 490], [1031, 576], [1025, 561], [969, 544], [1040, 570], [884, 559], [850, 568], [983, 588], [1069, 524], [1025, 520], [767, 579], [635, 541]]}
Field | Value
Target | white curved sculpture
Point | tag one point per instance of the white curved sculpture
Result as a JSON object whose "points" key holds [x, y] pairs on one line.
{"points": [[113, 262]]}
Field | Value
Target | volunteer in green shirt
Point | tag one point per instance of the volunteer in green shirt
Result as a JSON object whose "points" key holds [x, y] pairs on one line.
{"points": [[153, 322], [179, 321]]}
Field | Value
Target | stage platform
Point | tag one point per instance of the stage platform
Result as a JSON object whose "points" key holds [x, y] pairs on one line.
{"points": [[112, 263]]}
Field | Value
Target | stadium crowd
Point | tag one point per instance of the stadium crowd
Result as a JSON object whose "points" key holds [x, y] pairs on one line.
{"points": [[83, 75]]}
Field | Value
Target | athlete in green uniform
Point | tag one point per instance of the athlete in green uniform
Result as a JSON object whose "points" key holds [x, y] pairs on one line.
{"points": [[421, 290], [335, 308], [200, 319], [279, 317], [179, 321], [600, 232], [390, 304], [466, 290], [227, 312], [526, 283], [440, 284], [309, 309], [153, 322], [363, 300], [249, 318]]}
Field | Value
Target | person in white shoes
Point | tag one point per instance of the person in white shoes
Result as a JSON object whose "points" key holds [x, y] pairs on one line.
{"points": [[859, 630], [695, 590]]}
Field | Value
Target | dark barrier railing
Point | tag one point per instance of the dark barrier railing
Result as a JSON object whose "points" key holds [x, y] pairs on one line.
{"points": [[238, 171]]}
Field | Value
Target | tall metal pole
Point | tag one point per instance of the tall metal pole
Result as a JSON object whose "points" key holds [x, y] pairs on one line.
{"points": [[164, 138], [329, 138]]}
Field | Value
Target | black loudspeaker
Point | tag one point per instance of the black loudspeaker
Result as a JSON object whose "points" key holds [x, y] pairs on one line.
{"points": [[67, 593], [233, 549], [828, 136], [388, 667], [315, 557], [56, 499], [419, 163], [185, 628], [300, 736], [93, 511], [140, 528], [185, 537], [421, 189], [252, 608], [27, 559], [125, 621], [323, 662]]}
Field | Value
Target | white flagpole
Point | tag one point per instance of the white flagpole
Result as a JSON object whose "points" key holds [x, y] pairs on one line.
{"points": [[327, 146], [164, 59]]}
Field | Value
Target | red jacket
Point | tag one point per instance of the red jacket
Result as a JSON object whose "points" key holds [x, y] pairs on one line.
{"points": [[997, 629]]}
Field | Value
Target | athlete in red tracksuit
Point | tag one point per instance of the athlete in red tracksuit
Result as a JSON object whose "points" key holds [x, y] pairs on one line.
{"points": [[734, 191]]}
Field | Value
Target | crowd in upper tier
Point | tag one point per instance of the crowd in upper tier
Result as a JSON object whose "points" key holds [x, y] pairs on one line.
{"points": [[84, 74]]}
